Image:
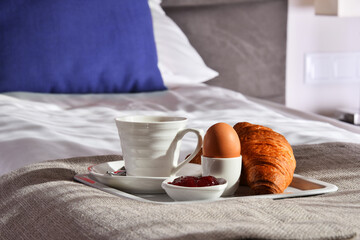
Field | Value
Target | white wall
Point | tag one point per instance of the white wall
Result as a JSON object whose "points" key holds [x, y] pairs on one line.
{"points": [[308, 33]]}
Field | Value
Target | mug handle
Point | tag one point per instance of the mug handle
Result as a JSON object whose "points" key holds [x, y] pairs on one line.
{"points": [[199, 133]]}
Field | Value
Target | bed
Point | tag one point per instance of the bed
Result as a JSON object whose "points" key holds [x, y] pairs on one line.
{"points": [[50, 133]]}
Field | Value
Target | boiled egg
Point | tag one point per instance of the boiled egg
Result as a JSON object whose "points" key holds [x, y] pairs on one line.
{"points": [[221, 141]]}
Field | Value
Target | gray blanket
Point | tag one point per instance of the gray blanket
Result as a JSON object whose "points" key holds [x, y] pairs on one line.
{"points": [[42, 201]]}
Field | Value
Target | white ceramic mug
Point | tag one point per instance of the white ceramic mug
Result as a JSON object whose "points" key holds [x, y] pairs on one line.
{"points": [[151, 144], [227, 168]]}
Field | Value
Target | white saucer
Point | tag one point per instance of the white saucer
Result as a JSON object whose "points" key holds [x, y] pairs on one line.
{"points": [[136, 184]]}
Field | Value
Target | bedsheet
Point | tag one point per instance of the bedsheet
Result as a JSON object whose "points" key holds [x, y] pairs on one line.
{"points": [[37, 127]]}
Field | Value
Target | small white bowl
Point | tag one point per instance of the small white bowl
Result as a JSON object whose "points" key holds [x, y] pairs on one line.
{"points": [[180, 193]]}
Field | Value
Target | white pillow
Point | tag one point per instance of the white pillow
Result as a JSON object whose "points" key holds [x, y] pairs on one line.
{"points": [[178, 61]]}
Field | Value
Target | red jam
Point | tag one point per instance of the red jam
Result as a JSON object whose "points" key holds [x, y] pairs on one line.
{"points": [[189, 181]]}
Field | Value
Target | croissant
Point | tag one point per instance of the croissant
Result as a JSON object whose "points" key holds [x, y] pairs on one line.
{"points": [[268, 159]]}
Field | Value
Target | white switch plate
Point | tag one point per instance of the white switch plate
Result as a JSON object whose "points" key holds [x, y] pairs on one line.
{"points": [[326, 68]]}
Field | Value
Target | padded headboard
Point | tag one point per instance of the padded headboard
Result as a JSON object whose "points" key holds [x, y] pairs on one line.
{"points": [[244, 40]]}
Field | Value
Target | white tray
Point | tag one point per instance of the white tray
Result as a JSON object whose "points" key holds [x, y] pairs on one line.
{"points": [[301, 186]]}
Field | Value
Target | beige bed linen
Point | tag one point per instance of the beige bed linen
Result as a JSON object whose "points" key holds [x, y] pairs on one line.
{"points": [[41, 201]]}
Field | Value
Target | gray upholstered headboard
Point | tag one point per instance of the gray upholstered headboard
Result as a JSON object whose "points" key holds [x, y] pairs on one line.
{"points": [[244, 40]]}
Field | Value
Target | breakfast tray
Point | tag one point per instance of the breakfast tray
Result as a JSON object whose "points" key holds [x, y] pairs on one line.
{"points": [[300, 186]]}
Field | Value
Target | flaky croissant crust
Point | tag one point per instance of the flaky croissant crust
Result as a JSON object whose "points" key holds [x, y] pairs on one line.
{"points": [[268, 159]]}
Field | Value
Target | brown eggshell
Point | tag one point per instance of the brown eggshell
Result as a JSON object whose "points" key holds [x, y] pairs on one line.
{"points": [[221, 141]]}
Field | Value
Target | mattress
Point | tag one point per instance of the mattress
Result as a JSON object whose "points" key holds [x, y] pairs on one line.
{"points": [[36, 127]]}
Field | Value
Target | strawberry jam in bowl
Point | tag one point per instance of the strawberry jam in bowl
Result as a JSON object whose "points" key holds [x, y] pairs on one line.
{"points": [[190, 181], [190, 188]]}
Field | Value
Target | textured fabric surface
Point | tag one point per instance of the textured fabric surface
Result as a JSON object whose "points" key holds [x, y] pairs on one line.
{"points": [[57, 126], [65, 46], [179, 62], [182, 3], [42, 201], [244, 41]]}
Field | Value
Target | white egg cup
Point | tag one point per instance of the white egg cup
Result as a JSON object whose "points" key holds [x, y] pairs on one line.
{"points": [[227, 168]]}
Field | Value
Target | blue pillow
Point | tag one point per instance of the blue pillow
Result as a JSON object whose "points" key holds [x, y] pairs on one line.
{"points": [[77, 46]]}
